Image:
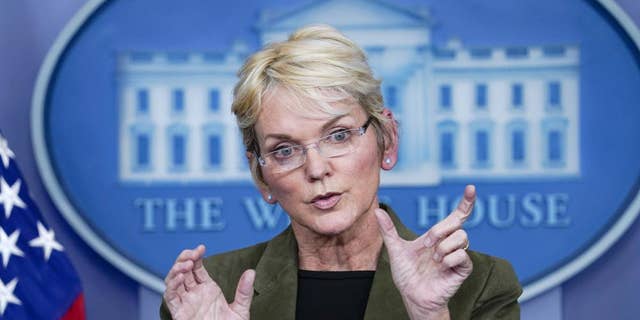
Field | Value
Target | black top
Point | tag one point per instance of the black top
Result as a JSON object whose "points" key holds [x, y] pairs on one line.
{"points": [[332, 294]]}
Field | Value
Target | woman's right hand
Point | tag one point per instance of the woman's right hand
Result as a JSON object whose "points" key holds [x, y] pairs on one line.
{"points": [[192, 294]]}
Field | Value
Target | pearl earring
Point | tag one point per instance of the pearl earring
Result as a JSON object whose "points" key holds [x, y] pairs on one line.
{"points": [[269, 197], [387, 161]]}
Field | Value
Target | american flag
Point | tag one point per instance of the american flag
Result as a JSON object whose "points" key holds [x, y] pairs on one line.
{"points": [[37, 280]]}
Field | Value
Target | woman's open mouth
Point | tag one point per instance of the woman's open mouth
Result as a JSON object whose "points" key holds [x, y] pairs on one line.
{"points": [[326, 201]]}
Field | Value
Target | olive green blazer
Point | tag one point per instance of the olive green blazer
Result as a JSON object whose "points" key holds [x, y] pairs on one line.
{"points": [[490, 292]]}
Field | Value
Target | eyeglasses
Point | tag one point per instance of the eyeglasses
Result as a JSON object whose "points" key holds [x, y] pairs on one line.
{"points": [[336, 144]]}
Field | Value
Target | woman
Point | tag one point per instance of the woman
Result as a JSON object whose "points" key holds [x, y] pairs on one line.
{"points": [[317, 135]]}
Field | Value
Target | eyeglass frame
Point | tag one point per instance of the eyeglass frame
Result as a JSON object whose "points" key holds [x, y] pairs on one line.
{"points": [[360, 131]]}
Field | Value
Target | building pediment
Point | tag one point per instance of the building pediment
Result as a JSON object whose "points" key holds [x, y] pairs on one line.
{"points": [[344, 15], [370, 23]]}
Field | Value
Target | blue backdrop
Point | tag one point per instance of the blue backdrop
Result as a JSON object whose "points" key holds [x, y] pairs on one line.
{"points": [[27, 30]]}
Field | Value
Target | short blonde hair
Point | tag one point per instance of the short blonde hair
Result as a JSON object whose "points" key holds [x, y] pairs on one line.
{"points": [[316, 62]]}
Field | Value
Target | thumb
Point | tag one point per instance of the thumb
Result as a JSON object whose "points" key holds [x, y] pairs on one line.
{"points": [[388, 230], [244, 294]]}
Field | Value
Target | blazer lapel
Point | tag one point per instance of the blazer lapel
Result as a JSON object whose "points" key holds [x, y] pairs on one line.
{"points": [[276, 281], [385, 301]]}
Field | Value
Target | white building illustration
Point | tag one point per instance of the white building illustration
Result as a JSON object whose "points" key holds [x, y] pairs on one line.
{"points": [[490, 113]]}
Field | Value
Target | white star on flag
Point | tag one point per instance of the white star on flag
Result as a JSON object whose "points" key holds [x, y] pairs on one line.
{"points": [[46, 240], [6, 294], [9, 196], [8, 246], [5, 152]]}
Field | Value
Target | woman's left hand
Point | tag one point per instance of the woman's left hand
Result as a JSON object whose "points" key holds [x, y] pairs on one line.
{"points": [[429, 270]]}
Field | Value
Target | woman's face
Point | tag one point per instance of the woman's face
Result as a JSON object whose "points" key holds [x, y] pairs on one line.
{"points": [[325, 196]]}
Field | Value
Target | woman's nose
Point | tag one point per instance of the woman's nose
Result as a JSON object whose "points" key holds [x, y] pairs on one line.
{"points": [[316, 164]]}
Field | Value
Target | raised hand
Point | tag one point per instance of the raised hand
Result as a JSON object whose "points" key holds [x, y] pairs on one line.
{"points": [[192, 294], [429, 270]]}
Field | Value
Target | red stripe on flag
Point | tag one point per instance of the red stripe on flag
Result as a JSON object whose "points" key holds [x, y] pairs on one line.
{"points": [[76, 311]]}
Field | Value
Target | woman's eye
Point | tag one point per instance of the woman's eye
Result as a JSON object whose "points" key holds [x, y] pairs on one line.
{"points": [[283, 152], [340, 136]]}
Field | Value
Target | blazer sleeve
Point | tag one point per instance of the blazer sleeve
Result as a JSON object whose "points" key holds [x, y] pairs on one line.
{"points": [[499, 296], [164, 311]]}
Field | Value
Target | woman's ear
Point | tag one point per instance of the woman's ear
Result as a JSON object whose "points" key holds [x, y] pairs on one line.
{"points": [[250, 155], [390, 153], [267, 196]]}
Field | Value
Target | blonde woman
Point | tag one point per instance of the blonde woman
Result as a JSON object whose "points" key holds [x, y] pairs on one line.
{"points": [[317, 135]]}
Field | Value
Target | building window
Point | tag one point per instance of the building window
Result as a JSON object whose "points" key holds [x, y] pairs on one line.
{"points": [[214, 151], [141, 147], [141, 144], [178, 101], [447, 143], [178, 142], [554, 140], [142, 101], [178, 145], [481, 96], [216, 57], [516, 96], [143, 151], [447, 149], [443, 53], [177, 57], [391, 96], [517, 143], [554, 51], [554, 95], [482, 147], [480, 53], [554, 146], [213, 145], [445, 97], [373, 50], [481, 132], [214, 100], [516, 53], [517, 146]]}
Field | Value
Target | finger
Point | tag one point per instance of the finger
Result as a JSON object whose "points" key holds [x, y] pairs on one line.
{"points": [[465, 206], [244, 294], [441, 230], [190, 280], [199, 251], [453, 221], [177, 269], [388, 230], [460, 261], [170, 291], [175, 288], [457, 240], [190, 254], [174, 293], [200, 273]]}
